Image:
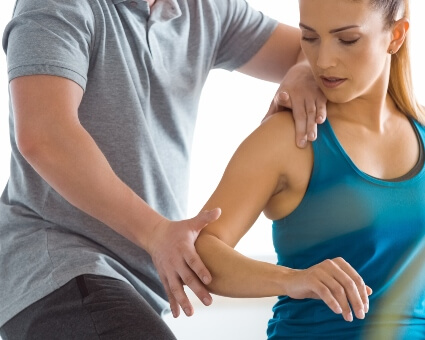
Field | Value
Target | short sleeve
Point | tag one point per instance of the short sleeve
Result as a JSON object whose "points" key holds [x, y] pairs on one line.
{"points": [[52, 37], [244, 32]]}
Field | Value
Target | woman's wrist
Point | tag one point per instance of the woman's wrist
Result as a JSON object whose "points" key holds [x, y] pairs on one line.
{"points": [[286, 279]]}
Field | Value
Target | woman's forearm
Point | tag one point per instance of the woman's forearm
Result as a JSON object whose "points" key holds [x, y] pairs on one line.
{"points": [[235, 275]]}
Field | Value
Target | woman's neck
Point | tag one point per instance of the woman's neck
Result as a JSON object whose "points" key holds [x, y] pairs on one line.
{"points": [[371, 113]]}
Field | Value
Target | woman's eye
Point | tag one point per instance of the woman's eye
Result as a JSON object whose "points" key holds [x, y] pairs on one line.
{"points": [[309, 39], [348, 42]]}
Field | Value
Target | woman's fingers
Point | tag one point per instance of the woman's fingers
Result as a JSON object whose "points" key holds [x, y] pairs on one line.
{"points": [[338, 292], [324, 293], [338, 284], [358, 294]]}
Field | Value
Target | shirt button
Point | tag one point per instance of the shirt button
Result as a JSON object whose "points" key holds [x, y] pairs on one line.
{"points": [[133, 3]]}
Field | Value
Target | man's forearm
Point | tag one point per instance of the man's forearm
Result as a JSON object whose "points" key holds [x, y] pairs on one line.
{"points": [[76, 168]]}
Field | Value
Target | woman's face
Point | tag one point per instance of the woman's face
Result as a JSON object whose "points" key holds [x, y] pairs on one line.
{"points": [[347, 45]]}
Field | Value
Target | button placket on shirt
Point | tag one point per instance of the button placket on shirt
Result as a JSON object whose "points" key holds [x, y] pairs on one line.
{"points": [[140, 5]]}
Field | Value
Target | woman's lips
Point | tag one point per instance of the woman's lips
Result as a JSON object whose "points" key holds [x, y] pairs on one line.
{"points": [[332, 82]]}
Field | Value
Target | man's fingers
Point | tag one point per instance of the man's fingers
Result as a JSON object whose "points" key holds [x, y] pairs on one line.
{"points": [[310, 108], [300, 127], [192, 281], [179, 264], [272, 109], [280, 100], [320, 111], [184, 274], [176, 290], [197, 266], [174, 306], [283, 99], [204, 217]]}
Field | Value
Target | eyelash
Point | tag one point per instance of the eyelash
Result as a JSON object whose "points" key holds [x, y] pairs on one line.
{"points": [[344, 42], [349, 42], [309, 39]]}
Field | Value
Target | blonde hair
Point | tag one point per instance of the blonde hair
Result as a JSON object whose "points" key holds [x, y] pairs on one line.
{"points": [[400, 86]]}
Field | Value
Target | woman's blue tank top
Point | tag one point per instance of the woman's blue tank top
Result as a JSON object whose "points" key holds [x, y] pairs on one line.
{"points": [[377, 226]]}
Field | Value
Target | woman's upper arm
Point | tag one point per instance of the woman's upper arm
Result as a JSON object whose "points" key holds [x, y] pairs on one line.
{"points": [[250, 179]]}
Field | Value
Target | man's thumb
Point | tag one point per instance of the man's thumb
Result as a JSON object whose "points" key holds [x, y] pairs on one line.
{"points": [[205, 217]]}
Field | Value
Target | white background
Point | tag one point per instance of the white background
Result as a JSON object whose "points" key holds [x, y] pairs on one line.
{"points": [[232, 105]]}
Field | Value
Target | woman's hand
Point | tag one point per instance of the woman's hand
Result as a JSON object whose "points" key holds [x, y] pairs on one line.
{"points": [[173, 252], [336, 283]]}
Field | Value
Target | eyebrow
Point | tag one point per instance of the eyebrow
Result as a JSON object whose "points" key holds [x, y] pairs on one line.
{"points": [[331, 31]]}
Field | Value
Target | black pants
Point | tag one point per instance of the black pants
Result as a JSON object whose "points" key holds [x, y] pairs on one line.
{"points": [[89, 307]]}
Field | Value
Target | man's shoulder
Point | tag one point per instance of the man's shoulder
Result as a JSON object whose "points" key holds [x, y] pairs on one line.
{"points": [[48, 7], [217, 7]]}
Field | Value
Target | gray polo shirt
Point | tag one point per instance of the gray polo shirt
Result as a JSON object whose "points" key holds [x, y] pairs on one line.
{"points": [[142, 75]]}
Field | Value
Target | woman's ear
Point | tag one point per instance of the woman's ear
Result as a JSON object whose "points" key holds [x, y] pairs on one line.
{"points": [[399, 32]]}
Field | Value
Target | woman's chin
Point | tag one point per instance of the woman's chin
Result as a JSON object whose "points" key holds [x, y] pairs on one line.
{"points": [[338, 98]]}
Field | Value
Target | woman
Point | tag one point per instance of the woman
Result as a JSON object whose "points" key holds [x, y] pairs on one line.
{"points": [[348, 211]]}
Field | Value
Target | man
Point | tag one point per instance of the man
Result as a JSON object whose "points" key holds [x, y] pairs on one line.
{"points": [[104, 96]]}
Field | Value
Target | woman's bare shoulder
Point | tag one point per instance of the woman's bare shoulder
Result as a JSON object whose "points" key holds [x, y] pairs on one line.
{"points": [[294, 165], [281, 128]]}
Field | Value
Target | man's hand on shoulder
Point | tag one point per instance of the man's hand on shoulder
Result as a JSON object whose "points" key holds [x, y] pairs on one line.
{"points": [[300, 92]]}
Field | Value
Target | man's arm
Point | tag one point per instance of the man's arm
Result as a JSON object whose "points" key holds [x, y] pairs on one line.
{"points": [[281, 60], [281, 51], [51, 138]]}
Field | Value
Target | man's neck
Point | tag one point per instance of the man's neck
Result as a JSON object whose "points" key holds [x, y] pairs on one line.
{"points": [[151, 2]]}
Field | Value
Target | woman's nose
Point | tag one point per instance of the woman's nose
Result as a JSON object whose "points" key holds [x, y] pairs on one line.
{"points": [[327, 57]]}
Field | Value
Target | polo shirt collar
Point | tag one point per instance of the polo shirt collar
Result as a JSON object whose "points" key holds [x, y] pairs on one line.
{"points": [[165, 10]]}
